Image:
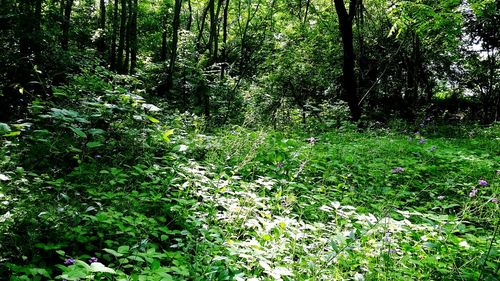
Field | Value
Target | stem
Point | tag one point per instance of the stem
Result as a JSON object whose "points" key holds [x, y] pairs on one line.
{"points": [[489, 249]]}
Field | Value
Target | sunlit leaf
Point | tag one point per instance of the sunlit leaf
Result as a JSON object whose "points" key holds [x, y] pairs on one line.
{"points": [[99, 267], [152, 119], [13, 134], [167, 134]]}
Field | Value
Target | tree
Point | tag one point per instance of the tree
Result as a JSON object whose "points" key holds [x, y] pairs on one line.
{"points": [[175, 39], [101, 44], [348, 74]]}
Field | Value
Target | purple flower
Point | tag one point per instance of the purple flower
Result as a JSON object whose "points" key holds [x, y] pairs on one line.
{"points": [[69, 261], [417, 133], [92, 260], [440, 197], [311, 140], [473, 192], [482, 183], [421, 141], [397, 170], [279, 165], [433, 148], [494, 200]]}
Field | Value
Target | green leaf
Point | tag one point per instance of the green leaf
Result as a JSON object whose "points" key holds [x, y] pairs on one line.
{"points": [[93, 144], [136, 258], [13, 134], [4, 128], [79, 132], [123, 249], [167, 134], [113, 252], [99, 267], [152, 119]]}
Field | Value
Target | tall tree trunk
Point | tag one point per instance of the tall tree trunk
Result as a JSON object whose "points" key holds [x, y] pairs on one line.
{"points": [[113, 37], [133, 50], [37, 29], [213, 24], [190, 18], [215, 32], [348, 75], [127, 37], [224, 39], [202, 26], [175, 37], [308, 3], [65, 24], [101, 44], [121, 43], [163, 51]]}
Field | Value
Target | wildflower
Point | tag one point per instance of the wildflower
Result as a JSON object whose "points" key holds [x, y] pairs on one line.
{"points": [[387, 236], [473, 192], [483, 183], [92, 260], [421, 141], [397, 170], [69, 261], [417, 133], [433, 148], [494, 200], [279, 165], [311, 140], [440, 197], [498, 172]]}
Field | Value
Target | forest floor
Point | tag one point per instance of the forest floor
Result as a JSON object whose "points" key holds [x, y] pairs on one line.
{"points": [[101, 186]]}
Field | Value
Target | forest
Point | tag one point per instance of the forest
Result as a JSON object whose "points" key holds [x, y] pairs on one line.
{"points": [[162, 140]]}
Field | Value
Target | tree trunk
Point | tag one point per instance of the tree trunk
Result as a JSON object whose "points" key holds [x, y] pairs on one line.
{"points": [[37, 36], [112, 59], [224, 39], [101, 44], [127, 37], [348, 75], [121, 43], [175, 37], [308, 3], [65, 25], [133, 50], [202, 27], [213, 23], [215, 33], [163, 51], [190, 18]]}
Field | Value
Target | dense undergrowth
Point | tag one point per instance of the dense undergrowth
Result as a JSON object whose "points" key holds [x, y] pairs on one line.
{"points": [[99, 184]]}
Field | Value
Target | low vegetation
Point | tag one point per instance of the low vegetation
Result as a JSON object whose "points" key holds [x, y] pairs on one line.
{"points": [[107, 186]]}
